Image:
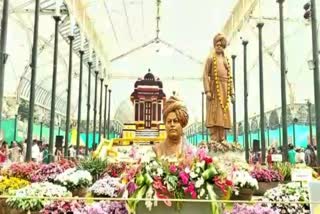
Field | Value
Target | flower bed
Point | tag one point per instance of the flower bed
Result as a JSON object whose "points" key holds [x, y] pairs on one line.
{"points": [[46, 172], [11, 184], [246, 209], [45, 189], [291, 192]]}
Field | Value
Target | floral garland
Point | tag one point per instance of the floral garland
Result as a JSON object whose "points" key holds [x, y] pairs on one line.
{"points": [[216, 79]]}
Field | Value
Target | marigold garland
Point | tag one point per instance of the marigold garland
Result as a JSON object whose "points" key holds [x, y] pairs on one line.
{"points": [[225, 105]]}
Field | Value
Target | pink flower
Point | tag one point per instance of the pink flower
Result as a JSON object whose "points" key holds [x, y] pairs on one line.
{"points": [[173, 168], [184, 177], [131, 187], [202, 154], [192, 190]]}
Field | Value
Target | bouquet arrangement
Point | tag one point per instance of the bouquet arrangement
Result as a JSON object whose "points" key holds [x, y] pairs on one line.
{"points": [[266, 175], [107, 207], [45, 189], [107, 187], [256, 209], [195, 177], [73, 179], [291, 192], [243, 180], [9, 185], [57, 207], [115, 169], [46, 172], [23, 170]]}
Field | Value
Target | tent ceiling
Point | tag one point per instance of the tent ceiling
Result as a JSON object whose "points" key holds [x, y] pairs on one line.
{"points": [[174, 49]]}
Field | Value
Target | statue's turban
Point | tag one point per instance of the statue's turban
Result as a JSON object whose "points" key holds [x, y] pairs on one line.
{"points": [[220, 37], [173, 104]]}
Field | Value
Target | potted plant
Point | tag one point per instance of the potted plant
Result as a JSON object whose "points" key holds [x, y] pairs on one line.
{"points": [[95, 166], [244, 185], [267, 179], [284, 169], [21, 202], [107, 187], [76, 181]]}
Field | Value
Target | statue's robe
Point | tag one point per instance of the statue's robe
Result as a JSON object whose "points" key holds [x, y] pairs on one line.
{"points": [[215, 116]]}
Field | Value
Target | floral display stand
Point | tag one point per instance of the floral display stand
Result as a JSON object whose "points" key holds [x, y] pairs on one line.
{"points": [[187, 208], [264, 186], [245, 194], [80, 192]]}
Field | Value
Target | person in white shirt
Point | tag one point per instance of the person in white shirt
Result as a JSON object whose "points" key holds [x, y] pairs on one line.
{"points": [[35, 155]]}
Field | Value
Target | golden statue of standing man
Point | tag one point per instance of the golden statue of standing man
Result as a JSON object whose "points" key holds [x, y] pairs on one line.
{"points": [[218, 87]]}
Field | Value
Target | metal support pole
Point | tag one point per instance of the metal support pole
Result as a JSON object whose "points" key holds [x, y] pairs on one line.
{"points": [[66, 141], [207, 135], [59, 128], [41, 124], [95, 110], [100, 109], [81, 52], [235, 136], [310, 122], [15, 127], [88, 108], [33, 79], [315, 52], [105, 111], [262, 122], [294, 131], [109, 108], [280, 140], [54, 83], [3, 54], [283, 85], [202, 111], [268, 128], [246, 119]]}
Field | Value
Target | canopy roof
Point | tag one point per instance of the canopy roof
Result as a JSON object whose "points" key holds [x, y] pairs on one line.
{"points": [[129, 39]]}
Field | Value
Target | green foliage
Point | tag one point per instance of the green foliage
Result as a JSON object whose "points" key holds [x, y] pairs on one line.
{"points": [[284, 169], [95, 166]]}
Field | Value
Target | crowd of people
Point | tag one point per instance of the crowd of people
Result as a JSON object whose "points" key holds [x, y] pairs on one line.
{"points": [[16, 152], [296, 155]]}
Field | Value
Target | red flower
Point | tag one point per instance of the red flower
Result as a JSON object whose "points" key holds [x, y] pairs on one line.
{"points": [[208, 159], [229, 183]]}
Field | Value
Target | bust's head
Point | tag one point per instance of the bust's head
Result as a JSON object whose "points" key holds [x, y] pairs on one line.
{"points": [[175, 117], [219, 43]]}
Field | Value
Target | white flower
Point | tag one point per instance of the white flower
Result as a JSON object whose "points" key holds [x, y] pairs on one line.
{"points": [[159, 172], [202, 192], [149, 205], [187, 170], [193, 174], [199, 182]]}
